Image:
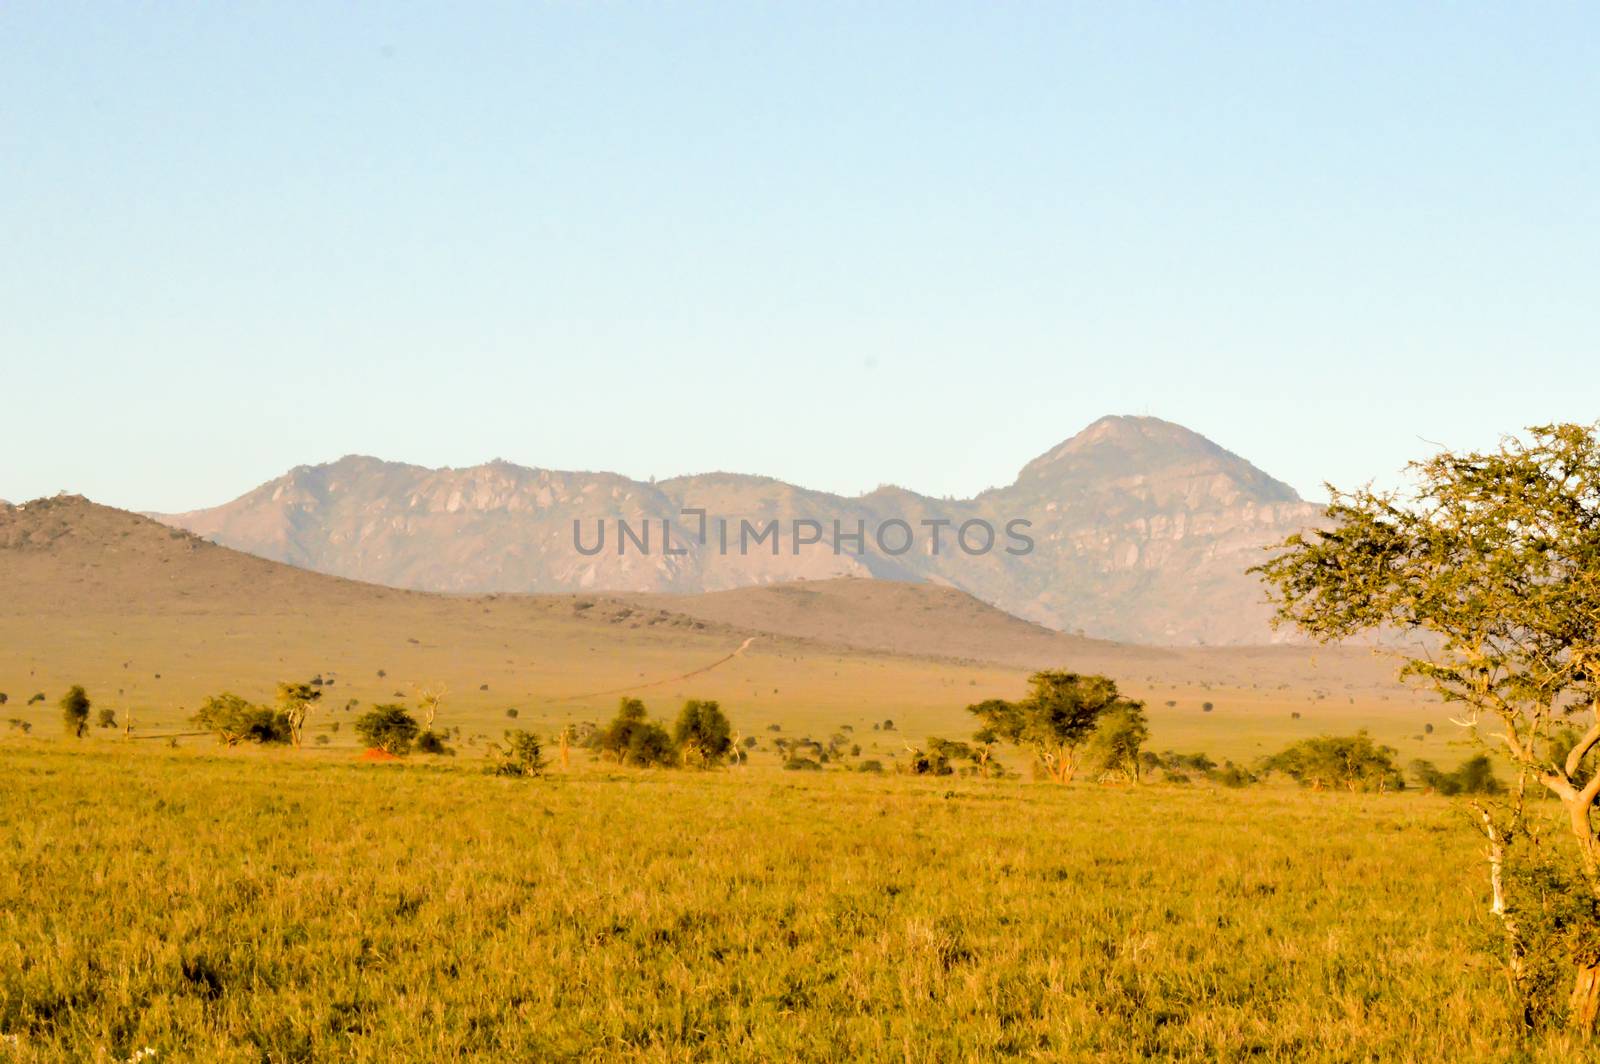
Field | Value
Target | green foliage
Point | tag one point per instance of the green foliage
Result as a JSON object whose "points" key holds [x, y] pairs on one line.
{"points": [[294, 702], [1059, 714], [75, 711], [1495, 557], [633, 739], [1117, 737], [390, 728], [1473, 776], [236, 720], [703, 735], [522, 755], [1351, 763]]}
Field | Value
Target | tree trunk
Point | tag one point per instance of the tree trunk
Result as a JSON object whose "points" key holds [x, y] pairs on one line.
{"points": [[1585, 1003]]}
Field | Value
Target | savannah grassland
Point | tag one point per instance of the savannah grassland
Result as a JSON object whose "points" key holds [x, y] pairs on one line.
{"points": [[271, 906], [275, 905]]}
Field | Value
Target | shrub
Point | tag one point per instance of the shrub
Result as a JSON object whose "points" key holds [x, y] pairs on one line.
{"points": [[390, 728], [1473, 776], [1353, 762], [870, 766], [703, 735], [4, 698], [75, 711], [940, 757], [522, 756], [236, 721], [431, 742], [106, 718], [802, 764], [37, 697], [511, 714], [633, 739], [1231, 775]]}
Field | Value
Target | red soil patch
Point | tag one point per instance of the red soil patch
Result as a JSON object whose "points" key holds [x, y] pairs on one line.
{"points": [[372, 754]]}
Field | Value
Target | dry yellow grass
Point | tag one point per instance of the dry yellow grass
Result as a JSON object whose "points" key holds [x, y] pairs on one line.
{"points": [[260, 906]]}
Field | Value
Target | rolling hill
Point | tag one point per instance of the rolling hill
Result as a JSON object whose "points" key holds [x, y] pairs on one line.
{"points": [[152, 619]]}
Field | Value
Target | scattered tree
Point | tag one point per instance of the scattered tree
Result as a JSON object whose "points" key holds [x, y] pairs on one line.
{"points": [[703, 734], [1054, 720], [294, 702], [390, 728], [1118, 734], [1495, 556], [633, 739], [236, 720], [1352, 763], [75, 711]]}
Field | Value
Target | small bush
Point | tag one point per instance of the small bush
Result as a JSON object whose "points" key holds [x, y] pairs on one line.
{"points": [[106, 718], [870, 766], [511, 714], [802, 764], [703, 735], [390, 728], [1474, 776], [431, 742], [633, 739], [522, 755]]}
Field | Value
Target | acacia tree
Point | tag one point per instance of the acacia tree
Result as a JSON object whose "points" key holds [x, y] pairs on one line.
{"points": [[390, 728], [295, 701], [703, 734], [1054, 720], [236, 720], [1495, 557], [1117, 737], [75, 711]]}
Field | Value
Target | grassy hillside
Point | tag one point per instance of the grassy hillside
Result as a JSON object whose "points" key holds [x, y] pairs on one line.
{"points": [[257, 906], [151, 620]]}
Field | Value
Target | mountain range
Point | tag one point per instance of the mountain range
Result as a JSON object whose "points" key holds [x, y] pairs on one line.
{"points": [[1141, 531]]}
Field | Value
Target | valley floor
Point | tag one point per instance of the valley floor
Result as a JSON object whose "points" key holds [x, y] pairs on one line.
{"points": [[258, 906]]}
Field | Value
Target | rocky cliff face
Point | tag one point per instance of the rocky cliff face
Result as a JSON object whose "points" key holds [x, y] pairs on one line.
{"points": [[1141, 531]]}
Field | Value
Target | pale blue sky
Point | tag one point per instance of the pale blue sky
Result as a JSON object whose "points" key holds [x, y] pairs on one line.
{"points": [[840, 244]]}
